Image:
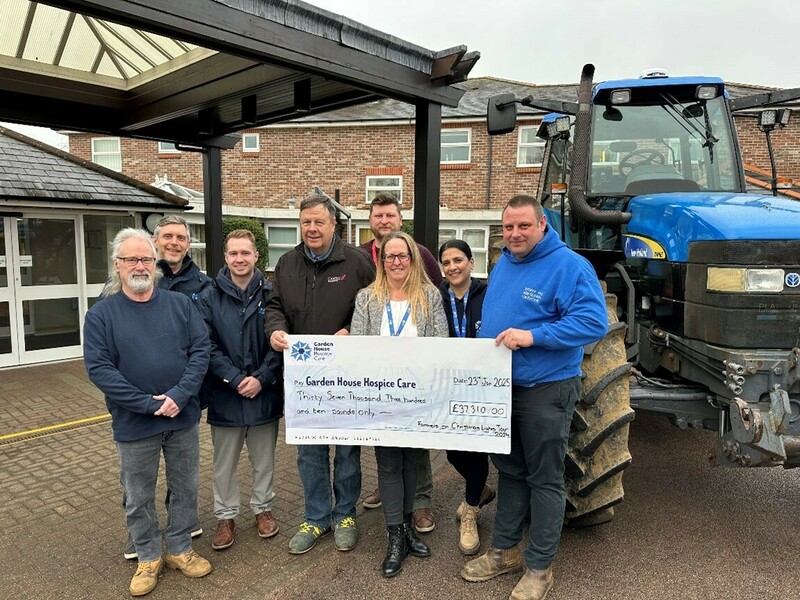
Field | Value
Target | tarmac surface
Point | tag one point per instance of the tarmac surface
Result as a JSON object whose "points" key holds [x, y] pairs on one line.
{"points": [[685, 530]]}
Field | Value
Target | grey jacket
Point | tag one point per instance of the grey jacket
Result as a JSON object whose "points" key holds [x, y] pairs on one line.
{"points": [[368, 315]]}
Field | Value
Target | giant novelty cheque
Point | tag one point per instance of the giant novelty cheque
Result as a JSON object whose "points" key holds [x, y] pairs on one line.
{"points": [[445, 393]]}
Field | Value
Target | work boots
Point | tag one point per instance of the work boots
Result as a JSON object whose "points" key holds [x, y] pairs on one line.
{"points": [[468, 541], [494, 562], [534, 584], [395, 552]]}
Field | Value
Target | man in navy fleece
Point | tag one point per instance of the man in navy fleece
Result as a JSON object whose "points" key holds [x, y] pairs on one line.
{"points": [[544, 302], [153, 402]]}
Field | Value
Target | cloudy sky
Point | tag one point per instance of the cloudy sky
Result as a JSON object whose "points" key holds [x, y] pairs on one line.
{"points": [[548, 41]]}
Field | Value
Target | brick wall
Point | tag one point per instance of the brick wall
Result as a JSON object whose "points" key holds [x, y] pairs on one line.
{"points": [[292, 160]]}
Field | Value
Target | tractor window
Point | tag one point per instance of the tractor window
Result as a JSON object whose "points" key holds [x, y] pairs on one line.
{"points": [[661, 147]]}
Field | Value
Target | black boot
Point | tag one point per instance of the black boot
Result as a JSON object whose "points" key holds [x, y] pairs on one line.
{"points": [[416, 547], [395, 553]]}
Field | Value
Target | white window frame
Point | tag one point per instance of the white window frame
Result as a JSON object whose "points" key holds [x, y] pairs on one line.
{"points": [[167, 148], [246, 136], [118, 153], [521, 145], [468, 144], [287, 246], [459, 235], [370, 187]]}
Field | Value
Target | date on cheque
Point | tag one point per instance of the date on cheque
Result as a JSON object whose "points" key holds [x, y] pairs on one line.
{"points": [[483, 381]]}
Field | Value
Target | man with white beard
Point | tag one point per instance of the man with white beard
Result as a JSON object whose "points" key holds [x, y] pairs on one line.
{"points": [[153, 402]]}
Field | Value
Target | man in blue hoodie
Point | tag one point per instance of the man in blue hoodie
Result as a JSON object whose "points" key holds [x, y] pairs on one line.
{"points": [[545, 303], [245, 395]]}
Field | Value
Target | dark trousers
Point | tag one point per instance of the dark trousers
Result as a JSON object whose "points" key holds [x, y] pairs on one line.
{"points": [[532, 475], [397, 480], [474, 468]]}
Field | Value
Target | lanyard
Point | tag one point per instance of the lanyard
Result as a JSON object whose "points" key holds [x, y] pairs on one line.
{"points": [[375, 254], [391, 320], [460, 328]]}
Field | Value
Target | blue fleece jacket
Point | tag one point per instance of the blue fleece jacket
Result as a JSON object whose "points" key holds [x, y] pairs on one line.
{"points": [[136, 350], [553, 293]]}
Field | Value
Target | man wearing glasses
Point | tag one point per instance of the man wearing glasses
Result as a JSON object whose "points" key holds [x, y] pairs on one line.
{"points": [[385, 218], [314, 292], [153, 402]]}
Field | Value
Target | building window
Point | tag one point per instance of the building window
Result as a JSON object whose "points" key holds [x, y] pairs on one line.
{"points": [[281, 240], [106, 152], [250, 142], [478, 239], [530, 148], [456, 146], [167, 148], [379, 184], [197, 250]]}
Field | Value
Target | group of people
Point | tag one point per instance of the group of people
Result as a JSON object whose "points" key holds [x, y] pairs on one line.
{"points": [[219, 343]]}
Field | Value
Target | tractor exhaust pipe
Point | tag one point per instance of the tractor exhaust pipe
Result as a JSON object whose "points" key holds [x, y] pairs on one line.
{"points": [[581, 160]]}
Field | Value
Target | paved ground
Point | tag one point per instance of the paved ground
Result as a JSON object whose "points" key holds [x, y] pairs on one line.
{"points": [[685, 530]]}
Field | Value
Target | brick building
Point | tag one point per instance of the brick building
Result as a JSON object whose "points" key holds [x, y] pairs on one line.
{"points": [[370, 148]]}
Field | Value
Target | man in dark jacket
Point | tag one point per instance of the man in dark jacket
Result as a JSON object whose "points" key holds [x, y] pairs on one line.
{"points": [[314, 293], [180, 273], [245, 396]]}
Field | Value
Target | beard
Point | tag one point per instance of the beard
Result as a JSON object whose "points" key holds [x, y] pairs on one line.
{"points": [[140, 282]]}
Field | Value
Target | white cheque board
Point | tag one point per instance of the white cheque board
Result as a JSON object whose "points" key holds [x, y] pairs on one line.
{"points": [[445, 393]]}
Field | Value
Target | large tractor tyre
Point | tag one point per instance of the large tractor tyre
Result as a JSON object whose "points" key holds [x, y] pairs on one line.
{"points": [[598, 443]]}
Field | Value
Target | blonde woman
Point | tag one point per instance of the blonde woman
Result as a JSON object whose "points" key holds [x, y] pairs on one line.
{"points": [[401, 302]]}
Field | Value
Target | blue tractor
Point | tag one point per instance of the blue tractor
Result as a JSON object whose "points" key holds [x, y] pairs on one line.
{"points": [[644, 177]]}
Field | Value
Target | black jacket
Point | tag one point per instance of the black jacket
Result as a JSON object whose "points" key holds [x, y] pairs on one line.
{"points": [[477, 292], [317, 298], [189, 280], [235, 321]]}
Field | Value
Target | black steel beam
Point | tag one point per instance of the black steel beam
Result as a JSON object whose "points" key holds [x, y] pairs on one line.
{"points": [[214, 25], [765, 99], [427, 156], [212, 197]]}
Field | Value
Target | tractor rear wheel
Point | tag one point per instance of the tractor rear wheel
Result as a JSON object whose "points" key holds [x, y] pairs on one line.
{"points": [[598, 452]]}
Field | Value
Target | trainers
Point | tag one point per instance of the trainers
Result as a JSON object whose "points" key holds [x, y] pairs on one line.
{"points": [[130, 549], [266, 524], [225, 534], [487, 495], [145, 579], [423, 520], [468, 542], [197, 532], [495, 562], [190, 563], [373, 500], [345, 534], [533, 585], [306, 537]]}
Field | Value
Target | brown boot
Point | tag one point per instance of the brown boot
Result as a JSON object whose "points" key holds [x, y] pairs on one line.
{"points": [[266, 524], [533, 585], [495, 562], [468, 541], [225, 534], [146, 577], [373, 500], [190, 563]]}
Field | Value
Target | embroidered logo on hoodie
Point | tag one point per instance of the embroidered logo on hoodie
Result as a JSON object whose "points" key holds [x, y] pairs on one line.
{"points": [[337, 279], [532, 295]]}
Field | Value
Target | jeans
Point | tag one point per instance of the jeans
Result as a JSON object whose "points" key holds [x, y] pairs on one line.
{"points": [[139, 461], [397, 480], [313, 464], [532, 475], [228, 443]]}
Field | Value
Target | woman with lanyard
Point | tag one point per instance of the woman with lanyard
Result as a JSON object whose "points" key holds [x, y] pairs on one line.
{"points": [[462, 297], [401, 302]]}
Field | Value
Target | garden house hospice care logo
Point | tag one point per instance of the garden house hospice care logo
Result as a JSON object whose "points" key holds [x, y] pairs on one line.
{"points": [[318, 351]]}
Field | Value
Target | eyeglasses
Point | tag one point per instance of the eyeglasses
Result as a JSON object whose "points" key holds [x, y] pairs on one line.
{"points": [[390, 258], [132, 260]]}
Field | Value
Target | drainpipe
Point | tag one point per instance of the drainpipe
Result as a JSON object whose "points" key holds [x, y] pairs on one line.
{"points": [[489, 175]]}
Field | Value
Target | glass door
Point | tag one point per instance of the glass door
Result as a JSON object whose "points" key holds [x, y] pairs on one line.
{"points": [[8, 346], [46, 288]]}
